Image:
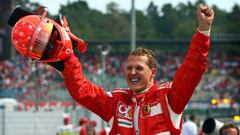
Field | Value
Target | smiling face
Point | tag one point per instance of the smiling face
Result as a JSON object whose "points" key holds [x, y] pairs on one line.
{"points": [[138, 73]]}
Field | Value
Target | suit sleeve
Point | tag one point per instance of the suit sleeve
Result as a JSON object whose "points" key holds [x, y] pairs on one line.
{"points": [[84, 92], [189, 73]]}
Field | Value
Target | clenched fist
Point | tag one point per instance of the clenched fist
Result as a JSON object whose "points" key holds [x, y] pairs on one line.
{"points": [[205, 17]]}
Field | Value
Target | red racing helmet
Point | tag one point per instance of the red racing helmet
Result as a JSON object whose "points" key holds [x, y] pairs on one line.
{"points": [[43, 39]]}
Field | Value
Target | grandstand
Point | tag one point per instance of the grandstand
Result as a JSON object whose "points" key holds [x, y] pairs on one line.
{"points": [[21, 78], [37, 86]]}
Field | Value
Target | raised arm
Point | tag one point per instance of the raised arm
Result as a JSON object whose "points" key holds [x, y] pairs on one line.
{"points": [[84, 92], [194, 65]]}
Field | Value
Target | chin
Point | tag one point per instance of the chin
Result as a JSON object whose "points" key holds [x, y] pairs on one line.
{"points": [[136, 90]]}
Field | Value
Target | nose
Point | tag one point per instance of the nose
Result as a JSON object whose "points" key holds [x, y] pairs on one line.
{"points": [[132, 71]]}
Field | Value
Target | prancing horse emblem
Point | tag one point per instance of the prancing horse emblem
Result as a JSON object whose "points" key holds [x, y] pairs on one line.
{"points": [[147, 109]]}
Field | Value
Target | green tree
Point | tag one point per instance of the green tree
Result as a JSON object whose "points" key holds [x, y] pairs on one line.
{"points": [[118, 22], [168, 20], [154, 20], [145, 29], [233, 19]]}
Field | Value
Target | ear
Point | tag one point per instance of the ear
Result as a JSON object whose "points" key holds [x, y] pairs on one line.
{"points": [[154, 72]]}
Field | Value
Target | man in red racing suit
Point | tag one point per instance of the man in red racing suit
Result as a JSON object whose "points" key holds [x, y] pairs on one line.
{"points": [[146, 107]]}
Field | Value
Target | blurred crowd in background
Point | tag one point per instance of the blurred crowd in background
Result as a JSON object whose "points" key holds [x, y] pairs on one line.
{"points": [[21, 77]]}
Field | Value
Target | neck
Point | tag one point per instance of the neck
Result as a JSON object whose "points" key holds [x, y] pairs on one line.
{"points": [[141, 92], [144, 91]]}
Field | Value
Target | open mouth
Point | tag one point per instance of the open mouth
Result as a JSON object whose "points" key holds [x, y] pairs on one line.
{"points": [[134, 80]]}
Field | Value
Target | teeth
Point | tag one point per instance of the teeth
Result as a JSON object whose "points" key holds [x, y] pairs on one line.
{"points": [[134, 80]]}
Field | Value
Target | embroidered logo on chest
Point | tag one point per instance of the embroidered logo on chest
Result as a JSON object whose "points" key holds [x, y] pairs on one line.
{"points": [[124, 111], [151, 109]]}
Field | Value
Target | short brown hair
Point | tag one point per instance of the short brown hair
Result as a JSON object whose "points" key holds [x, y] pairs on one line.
{"points": [[145, 52]]}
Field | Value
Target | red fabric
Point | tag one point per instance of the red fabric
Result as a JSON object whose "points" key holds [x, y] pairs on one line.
{"points": [[173, 130], [66, 120], [119, 105], [83, 131], [102, 132], [83, 120]]}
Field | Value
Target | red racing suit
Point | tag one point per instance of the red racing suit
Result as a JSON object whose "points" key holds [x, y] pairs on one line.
{"points": [[157, 112]]}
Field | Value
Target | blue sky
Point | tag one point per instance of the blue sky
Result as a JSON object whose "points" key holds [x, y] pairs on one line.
{"points": [[54, 5]]}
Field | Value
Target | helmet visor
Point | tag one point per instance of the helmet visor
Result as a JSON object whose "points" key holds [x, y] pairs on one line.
{"points": [[40, 39]]}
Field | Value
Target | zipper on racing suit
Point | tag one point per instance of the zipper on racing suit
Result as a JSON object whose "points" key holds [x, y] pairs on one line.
{"points": [[136, 113]]}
